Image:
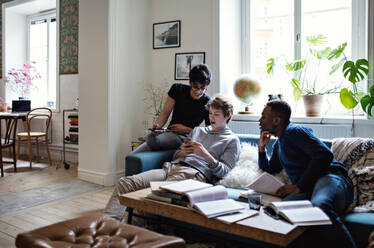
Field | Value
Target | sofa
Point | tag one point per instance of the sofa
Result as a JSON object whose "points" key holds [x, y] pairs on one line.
{"points": [[95, 230], [359, 224]]}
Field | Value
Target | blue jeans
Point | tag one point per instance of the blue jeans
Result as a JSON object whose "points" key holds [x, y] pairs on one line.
{"points": [[333, 193], [164, 141]]}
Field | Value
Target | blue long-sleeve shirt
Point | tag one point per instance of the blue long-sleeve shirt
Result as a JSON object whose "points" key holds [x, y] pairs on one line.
{"points": [[304, 157]]}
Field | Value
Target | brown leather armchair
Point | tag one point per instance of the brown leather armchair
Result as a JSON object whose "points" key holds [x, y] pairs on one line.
{"points": [[96, 230]]}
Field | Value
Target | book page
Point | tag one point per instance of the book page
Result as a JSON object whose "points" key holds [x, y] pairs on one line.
{"points": [[219, 207], [279, 206], [208, 194], [241, 215], [155, 185], [266, 183], [305, 215], [184, 186]]}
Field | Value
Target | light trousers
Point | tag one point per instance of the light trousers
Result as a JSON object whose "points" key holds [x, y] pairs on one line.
{"points": [[169, 172]]}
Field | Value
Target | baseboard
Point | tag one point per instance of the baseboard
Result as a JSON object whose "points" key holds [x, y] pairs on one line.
{"points": [[100, 178], [71, 153]]}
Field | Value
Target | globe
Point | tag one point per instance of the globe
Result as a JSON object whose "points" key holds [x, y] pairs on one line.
{"points": [[246, 88]]}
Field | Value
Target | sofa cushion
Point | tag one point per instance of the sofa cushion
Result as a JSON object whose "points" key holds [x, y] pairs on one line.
{"points": [[95, 230], [360, 225]]}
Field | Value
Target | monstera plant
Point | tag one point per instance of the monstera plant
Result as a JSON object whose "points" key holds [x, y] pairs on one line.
{"points": [[356, 71], [304, 81]]}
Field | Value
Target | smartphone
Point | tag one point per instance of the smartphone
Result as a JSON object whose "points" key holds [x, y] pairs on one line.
{"points": [[186, 140]]}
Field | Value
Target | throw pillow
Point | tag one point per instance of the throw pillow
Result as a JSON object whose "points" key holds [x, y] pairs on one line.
{"points": [[246, 169]]}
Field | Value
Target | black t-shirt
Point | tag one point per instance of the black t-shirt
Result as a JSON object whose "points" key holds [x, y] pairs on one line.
{"points": [[188, 111]]}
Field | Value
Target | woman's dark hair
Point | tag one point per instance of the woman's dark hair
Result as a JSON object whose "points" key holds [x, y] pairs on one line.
{"points": [[281, 109], [200, 74]]}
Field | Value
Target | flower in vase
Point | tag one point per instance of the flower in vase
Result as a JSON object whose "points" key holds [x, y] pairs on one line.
{"points": [[22, 81]]}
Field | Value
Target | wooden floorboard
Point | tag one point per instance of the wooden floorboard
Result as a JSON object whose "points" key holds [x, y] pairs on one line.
{"points": [[11, 224]]}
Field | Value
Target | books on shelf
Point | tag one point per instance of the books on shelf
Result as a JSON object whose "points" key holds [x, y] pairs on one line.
{"points": [[205, 198], [301, 213]]}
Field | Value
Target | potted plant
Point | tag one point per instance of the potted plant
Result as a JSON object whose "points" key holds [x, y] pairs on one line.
{"points": [[305, 73]]}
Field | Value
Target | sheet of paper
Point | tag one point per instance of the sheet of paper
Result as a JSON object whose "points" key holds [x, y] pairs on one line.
{"points": [[243, 214]]}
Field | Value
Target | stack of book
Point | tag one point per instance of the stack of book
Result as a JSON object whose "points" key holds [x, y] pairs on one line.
{"points": [[73, 130], [207, 199]]}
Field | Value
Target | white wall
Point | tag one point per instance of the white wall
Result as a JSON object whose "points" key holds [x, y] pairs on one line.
{"points": [[130, 62], [113, 41], [15, 43], [93, 90], [196, 36]]}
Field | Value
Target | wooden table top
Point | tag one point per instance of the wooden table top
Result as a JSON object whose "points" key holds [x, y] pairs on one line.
{"points": [[260, 227]]}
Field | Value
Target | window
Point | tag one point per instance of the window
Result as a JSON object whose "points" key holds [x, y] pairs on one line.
{"points": [[279, 27], [42, 50]]}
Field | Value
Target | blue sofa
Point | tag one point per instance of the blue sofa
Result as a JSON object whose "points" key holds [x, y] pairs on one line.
{"points": [[359, 224]]}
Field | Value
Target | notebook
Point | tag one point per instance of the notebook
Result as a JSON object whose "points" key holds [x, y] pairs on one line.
{"points": [[21, 106]]}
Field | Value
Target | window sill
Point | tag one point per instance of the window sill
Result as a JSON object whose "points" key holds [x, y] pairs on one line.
{"points": [[311, 120]]}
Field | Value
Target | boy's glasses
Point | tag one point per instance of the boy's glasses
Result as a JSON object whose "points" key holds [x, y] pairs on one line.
{"points": [[200, 89]]}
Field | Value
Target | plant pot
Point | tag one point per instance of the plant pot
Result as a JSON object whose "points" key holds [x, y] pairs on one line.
{"points": [[313, 104]]}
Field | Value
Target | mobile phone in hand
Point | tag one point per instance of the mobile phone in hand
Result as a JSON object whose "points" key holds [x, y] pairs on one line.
{"points": [[186, 140]]}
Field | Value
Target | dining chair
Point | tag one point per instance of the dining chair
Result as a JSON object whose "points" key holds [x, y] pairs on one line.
{"points": [[9, 140], [35, 137]]}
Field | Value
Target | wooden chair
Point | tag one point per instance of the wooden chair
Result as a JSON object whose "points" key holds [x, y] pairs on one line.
{"points": [[9, 140], [31, 137]]}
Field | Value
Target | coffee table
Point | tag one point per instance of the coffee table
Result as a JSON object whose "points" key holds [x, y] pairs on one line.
{"points": [[261, 227]]}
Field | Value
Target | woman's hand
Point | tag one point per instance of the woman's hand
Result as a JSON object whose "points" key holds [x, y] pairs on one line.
{"points": [[180, 129], [157, 129], [264, 139]]}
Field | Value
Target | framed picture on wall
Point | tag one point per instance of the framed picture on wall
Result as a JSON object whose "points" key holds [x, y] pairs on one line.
{"points": [[166, 34], [184, 62]]}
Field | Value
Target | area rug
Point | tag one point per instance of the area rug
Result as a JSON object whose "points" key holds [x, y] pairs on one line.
{"points": [[21, 200]]}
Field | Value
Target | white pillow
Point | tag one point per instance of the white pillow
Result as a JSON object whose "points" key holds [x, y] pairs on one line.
{"points": [[246, 169]]}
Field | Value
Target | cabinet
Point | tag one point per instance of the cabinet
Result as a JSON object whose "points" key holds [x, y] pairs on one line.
{"points": [[70, 130]]}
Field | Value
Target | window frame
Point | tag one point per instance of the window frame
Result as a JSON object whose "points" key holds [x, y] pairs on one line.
{"points": [[360, 43], [50, 14]]}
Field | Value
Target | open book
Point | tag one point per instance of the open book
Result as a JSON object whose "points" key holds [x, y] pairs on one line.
{"points": [[266, 183], [205, 198], [301, 213]]}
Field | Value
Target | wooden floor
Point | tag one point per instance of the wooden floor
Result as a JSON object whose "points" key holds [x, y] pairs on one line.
{"points": [[42, 175]]}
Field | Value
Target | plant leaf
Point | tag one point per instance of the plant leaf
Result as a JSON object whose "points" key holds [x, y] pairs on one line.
{"points": [[324, 53], [356, 71], [337, 51], [371, 90], [297, 93], [295, 83], [316, 39], [364, 102], [296, 65], [347, 98], [335, 67], [270, 65]]}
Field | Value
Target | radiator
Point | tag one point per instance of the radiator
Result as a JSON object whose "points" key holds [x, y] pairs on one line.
{"points": [[324, 131]]}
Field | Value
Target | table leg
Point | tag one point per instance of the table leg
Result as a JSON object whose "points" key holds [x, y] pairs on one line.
{"points": [[129, 217]]}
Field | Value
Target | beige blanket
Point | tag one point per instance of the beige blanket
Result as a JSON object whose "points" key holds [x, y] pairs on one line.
{"points": [[357, 154]]}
